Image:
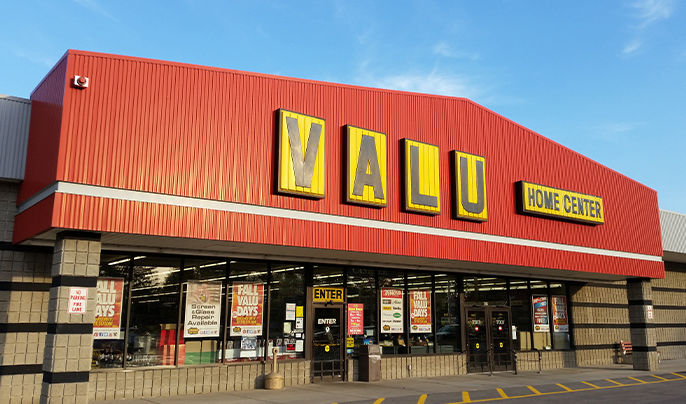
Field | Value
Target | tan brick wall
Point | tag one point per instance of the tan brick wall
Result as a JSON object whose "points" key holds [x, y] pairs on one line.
{"points": [[398, 367], [117, 384], [23, 309], [669, 301], [8, 208], [528, 361], [600, 313]]}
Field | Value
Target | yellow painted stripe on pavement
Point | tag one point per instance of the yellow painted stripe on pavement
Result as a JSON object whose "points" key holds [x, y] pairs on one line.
{"points": [[633, 378], [659, 377], [564, 387], [379, 400], [422, 398], [681, 376], [466, 398], [591, 384], [501, 392]]}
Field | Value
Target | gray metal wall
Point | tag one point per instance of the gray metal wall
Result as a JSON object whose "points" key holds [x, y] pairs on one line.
{"points": [[673, 231], [14, 135]]}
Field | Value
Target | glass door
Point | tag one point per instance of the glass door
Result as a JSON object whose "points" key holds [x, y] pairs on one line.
{"points": [[477, 341], [327, 348], [501, 339], [489, 339]]}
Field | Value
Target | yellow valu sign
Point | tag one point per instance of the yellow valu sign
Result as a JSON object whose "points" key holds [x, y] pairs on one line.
{"points": [[366, 170], [470, 186], [334, 295], [552, 202], [301, 154], [422, 179]]}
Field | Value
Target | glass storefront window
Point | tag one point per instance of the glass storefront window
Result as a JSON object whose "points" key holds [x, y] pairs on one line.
{"points": [[540, 315], [328, 276], [480, 291], [559, 315], [154, 311], [393, 282], [362, 290], [202, 311], [109, 328], [247, 286], [420, 307], [520, 305], [287, 321], [447, 313]]}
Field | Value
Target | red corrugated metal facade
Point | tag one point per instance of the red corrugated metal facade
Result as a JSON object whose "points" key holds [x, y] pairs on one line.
{"points": [[209, 133]]}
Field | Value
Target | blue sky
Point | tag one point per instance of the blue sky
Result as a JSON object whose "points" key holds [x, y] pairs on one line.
{"points": [[605, 78]]}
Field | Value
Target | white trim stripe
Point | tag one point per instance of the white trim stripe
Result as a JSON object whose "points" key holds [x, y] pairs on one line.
{"points": [[182, 201]]}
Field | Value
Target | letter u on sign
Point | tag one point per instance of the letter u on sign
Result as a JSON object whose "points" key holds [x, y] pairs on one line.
{"points": [[469, 183]]}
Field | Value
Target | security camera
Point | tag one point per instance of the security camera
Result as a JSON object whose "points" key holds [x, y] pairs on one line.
{"points": [[80, 81]]}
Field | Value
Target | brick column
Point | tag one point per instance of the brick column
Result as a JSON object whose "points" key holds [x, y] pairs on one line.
{"points": [[640, 296], [69, 340]]}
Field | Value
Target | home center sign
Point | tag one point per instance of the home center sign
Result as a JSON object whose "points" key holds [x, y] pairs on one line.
{"points": [[301, 171]]}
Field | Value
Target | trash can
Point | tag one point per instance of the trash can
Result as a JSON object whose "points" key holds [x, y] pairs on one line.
{"points": [[370, 363]]}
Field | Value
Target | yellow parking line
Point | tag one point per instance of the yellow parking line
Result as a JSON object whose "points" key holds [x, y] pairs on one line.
{"points": [[681, 376], [503, 396], [422, 398], [564, 387], [633, 378], [379, 400], [591, 384], [659, 377]]}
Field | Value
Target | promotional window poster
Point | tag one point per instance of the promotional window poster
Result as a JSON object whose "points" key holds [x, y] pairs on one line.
{"points": [[355, 318], [391, 310], [203, 309], [108, 308], [540, 308], [246, 309], [560, 320], [420, 311]]}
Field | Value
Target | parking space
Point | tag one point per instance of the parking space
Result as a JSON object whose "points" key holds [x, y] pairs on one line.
{"points": [[531, 391]]}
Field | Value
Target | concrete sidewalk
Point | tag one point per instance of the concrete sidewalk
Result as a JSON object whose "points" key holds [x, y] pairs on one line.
{"points": [[410, 390]]}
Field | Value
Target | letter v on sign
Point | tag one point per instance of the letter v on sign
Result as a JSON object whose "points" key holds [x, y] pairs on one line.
{"points": [[301, 159]]}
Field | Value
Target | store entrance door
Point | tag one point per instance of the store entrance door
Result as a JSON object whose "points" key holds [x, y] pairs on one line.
{"points": [[489, 339], [327, 343]]}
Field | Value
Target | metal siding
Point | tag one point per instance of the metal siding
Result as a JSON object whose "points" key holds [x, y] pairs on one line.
{"points": [[14, 133], [211, 133], [673, 231], [44, 132]]}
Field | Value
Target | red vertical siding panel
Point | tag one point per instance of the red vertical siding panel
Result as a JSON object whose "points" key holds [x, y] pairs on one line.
{"points": [[210, 133], [44, 133]]}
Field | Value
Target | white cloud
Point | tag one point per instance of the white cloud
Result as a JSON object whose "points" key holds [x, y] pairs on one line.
{"points": [[430, 83], [95, 7], [615, 132], [35, 57], [632, 47], [650, 11], [444, 49]]}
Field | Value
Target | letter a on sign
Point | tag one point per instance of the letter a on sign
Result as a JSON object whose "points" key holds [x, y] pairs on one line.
{"points": [[301, 154], [366, 179], [469, 182]]}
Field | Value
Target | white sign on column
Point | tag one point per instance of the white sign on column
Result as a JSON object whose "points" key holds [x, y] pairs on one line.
{"points": [[77, 300]]}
